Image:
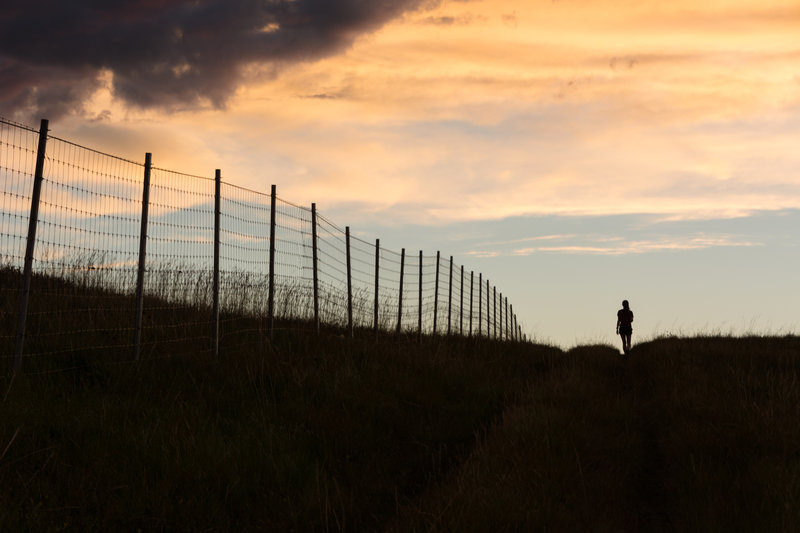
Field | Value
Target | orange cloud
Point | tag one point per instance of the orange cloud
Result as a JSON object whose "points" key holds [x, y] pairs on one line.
{"points": [[492, 109]]}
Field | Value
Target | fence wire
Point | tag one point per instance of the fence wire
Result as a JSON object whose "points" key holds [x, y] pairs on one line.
{"points": [[86, 260], [179, 267], [17, 162]]}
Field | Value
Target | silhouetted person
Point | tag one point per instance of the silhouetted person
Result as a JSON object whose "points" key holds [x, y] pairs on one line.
{"points": [[624, 325]]}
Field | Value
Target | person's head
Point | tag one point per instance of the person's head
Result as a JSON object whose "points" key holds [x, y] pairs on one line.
{"points": [[625, 304]]}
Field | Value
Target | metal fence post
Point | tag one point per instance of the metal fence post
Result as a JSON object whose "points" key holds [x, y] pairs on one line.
{"points": [[349, 284], [508, 320], [471, 297], [494, 319], [25, 289], [461, 305], [377, 284], [315, 264], [501, 316], [508, 332], [450, 295], [400, 296], [480, 302], [511, 323], [215, 307], [271, 297], [436, 295], [419, 314], [137, 331], [488, 312]]}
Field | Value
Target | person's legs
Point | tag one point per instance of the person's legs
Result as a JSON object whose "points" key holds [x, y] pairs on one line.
{"points": [[624, 346], [626, 340]]}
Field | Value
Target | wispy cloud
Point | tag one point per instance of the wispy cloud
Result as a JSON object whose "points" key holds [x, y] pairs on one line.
{"points": [[529, 239], [451, 113], [621, 247]]}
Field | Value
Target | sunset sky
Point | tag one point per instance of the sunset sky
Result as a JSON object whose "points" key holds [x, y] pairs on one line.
{"points": [[576, 152]]}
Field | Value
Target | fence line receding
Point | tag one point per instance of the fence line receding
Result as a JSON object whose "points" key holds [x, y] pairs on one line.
{"points": [[209, 263]]}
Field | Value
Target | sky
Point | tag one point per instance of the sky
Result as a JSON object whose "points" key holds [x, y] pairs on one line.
{"points": [[576, 152]]}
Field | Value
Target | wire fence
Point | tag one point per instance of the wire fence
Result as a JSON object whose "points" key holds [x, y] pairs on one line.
{"points": [[101, 254]]}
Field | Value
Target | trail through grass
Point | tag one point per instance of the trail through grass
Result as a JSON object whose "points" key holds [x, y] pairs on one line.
{"points": [[685, 435]]}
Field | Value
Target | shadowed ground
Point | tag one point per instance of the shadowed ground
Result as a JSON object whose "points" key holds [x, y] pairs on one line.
{"points": [[684, 435]]}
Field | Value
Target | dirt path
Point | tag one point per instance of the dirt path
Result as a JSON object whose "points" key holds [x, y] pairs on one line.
{"points": [[654, 486], [582, 452]]}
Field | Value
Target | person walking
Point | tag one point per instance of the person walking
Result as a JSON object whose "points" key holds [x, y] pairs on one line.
{"points": [[624, 325]]}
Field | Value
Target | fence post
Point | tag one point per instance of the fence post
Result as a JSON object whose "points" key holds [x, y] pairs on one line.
{"points": [[349, 284], [501, 316], [488, 312], [25, 289], [436, 295], [471, 293], [400, 296], [505, 325], [508, 332], [480, 302], [450, 295], [508, 320], [215, 306], [137, 331], [494, 304], [511, 323], [461, 305], [314, 265], [377, 284], [271, 297], [419, 314]]}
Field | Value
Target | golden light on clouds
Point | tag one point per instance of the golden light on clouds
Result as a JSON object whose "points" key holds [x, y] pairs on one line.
{"points": [[491, 109], [654, 130]]}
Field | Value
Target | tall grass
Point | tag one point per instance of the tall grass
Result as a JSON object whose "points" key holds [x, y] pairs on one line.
{"points": [[326, 432], [695, 434], [306, 432]]}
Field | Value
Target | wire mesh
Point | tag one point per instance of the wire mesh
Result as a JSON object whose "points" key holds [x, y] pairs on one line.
{"points": [[331, 272], [86, 258], [180, 254], [362, 261], [85, 255], [17, 163], [244, 253], [294, 293]]}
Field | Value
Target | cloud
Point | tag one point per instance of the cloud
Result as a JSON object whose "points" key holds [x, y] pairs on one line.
{"points": [[510, 20], [623, 63], [697, 242], [530, 239], [447, 21], [168, 54]]}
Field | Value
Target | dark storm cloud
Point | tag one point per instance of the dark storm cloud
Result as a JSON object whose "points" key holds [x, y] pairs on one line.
{"points": [[166, 53]]}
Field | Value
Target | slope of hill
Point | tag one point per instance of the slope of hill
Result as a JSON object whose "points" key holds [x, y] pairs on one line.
{"points": [[451, 434], [695, 434]]}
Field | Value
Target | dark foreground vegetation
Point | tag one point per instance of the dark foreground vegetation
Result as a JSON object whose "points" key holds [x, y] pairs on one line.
{"points": [[328, 433]]}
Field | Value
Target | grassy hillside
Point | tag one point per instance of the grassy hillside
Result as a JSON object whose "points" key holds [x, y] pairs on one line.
{"points": [[307, 433], [693, 434], [328, 433]]}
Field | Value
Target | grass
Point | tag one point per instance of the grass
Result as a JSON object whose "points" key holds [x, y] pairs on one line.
{"points": [[692, 434], [321, 433], [329, 433]]}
